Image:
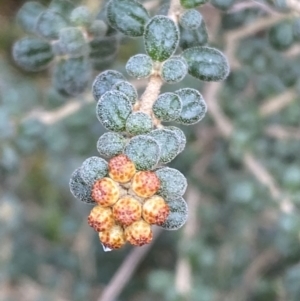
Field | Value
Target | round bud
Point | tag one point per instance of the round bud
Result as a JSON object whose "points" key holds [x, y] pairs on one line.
{"points": [[127, 210], [105, 192], [110, 144], [93, 169], [101, 219], [139, 233], [145, 184], [155, 210], [144, 151], [139, 66], [178, 214], [80, 189], [121, 169], [113, 238], [128, 89], [172, 183], [190, 19], [81, 16], [138, 123]]}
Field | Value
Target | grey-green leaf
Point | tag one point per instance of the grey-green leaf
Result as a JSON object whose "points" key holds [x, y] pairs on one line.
{"points": [[139, 66], [161, 38], [127, 16], [138, 123], [128, 89], [110, 144], [193, 106], [104, 82], [190, 19], [180, 135], [81, 16], [144, 151], [113, 109], [167, 106], [206, 63], [174, 70], [192, 3]]}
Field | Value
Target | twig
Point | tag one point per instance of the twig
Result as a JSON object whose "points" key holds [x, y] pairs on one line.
{"points": [[293, 5], [283, 133], [126, 270]]}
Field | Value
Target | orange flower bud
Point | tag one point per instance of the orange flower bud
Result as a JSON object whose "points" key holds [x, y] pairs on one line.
{"points": [[101, 219], [155, 210], [121, 169], [127, 210], [113, 238], [145, 183], [105, 192], [139, 233]]}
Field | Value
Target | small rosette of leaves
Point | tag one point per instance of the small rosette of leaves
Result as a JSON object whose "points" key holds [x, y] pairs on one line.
{"points": [[139, 66], [206, 63], [32, 54], [111, 144], [105, 81], [161, 38], [113, 109], [127, 16], [138, 123], [93, 169], [80, 189], [71, 76], [169, 144], [190, 19], [128, 89], [28, 15], [178, 214], [192, 3], [172, 183], [174, 70], [143, 151], [193, 106], [167, 107]]}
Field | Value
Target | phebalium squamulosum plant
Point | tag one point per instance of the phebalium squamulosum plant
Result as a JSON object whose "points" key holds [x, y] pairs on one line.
{"points": [[130, 186]]}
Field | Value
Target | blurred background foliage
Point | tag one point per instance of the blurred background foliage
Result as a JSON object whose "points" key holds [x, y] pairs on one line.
{"points": [[242, 240]]}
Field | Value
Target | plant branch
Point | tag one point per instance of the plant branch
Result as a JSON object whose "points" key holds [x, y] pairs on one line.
{"points": [[283, 133]]}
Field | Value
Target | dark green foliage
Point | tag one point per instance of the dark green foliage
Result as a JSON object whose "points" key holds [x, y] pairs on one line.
{"points": [[222, 4], [28, 15], [205, 63], [192, 38], [93, 169], [190, 19], [138, 123], [105, 81], [281, 35], [168, 142], [128, 89], [127, 16], [113, 109], [71, 76], [161, 38], [193, 106], [32, 54], [144, 151], [110, 144], [139, 66], [81, 16], [174, 70], [167, 107], [192, 3], [49, 23]]}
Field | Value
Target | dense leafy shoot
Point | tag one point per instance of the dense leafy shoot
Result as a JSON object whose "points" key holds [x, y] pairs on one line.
{"points": [[128, 89], [139, 66], [174, 70], [110, 144], [138, 123]]}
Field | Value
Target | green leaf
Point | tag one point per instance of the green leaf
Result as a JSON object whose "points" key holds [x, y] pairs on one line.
{"points": [[113, 109], [139, 66], [144, 151], [71, 76], [281, 35], [161, 38], [28, 15], [192, 3], [172, 183], [127, 16], [190, 19], [206, 63], [128, 89], [93, 169], [49, 23], [72, 42], [32, 54], [174, 70], [111, 144], [193, 106], [168, 142], [138, 123], [178, 214], [104, 82], [167, 107]]}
